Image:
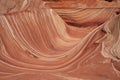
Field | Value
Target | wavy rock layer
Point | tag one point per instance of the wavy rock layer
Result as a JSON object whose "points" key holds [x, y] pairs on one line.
{"points": [[45, 40]]}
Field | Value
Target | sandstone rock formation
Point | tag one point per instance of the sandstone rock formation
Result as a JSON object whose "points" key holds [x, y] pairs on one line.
{"points": [[59, 40]]}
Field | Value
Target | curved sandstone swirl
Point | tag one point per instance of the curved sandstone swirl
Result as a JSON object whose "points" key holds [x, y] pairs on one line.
{"points": [[40, 43]]}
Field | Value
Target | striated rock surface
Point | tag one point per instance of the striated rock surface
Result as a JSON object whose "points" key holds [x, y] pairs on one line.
{"points": [[59, 40]]}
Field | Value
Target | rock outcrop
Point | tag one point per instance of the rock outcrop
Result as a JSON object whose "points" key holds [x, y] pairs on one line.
{"points": [[59, 40]]}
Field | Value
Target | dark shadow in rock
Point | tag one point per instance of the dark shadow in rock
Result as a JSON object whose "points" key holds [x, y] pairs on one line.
{"points": [[109, 0]]}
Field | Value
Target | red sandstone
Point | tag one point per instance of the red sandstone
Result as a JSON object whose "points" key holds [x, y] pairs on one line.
{"points": [[59, 40]]}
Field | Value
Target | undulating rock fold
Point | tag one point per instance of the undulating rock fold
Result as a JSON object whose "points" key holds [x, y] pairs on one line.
{"points": [[59, 40]]}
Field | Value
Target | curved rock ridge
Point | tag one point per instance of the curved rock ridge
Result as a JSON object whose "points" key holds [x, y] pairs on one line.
{"points": [[60, 4], [41, 40]]}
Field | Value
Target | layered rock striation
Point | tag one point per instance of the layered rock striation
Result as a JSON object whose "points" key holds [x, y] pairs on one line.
{"points": [[59, 40]]}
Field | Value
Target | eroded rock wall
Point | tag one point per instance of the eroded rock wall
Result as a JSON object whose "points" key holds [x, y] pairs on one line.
{"points": [[59, 40]]}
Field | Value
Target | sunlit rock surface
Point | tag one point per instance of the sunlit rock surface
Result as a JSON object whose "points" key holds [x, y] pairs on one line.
{"points": [[59, 40]]}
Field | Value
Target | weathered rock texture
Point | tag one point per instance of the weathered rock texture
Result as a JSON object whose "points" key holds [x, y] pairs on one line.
{"points": [[59, 40]]}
